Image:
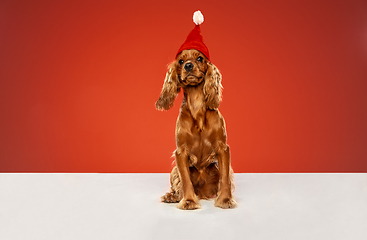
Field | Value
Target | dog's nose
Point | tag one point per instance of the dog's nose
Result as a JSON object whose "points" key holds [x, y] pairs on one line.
{"points": [[189, 66]]}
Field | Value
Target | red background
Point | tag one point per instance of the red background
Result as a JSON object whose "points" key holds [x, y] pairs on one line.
{"points": [[79, 80]]}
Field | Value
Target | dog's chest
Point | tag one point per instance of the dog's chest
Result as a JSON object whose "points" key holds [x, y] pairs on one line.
{"points": [[197, 107], [202, 151], [203, 125]]}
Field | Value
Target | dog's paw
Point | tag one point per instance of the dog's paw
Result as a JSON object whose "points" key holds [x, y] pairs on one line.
{"points": [[186, 204], [170, 198], [225, 202]]}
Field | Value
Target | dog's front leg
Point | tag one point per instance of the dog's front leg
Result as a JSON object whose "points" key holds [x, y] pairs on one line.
{"points": [[225, 198], [189, 200]]}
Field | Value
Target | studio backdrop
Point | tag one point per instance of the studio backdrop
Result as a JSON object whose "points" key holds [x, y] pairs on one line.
{"points": [[79, 81]]}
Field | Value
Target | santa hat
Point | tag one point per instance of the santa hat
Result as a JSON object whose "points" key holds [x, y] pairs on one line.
{"points": [[194, 40]]}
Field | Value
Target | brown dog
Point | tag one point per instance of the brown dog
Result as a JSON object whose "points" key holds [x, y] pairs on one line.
{"points": [[203, 166]]}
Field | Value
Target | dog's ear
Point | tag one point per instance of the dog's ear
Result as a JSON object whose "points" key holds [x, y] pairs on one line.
{"points": [[212, 87], [170, 89]]}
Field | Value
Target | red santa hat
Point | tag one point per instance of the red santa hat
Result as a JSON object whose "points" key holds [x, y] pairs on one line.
{"points": [[194, 40]]}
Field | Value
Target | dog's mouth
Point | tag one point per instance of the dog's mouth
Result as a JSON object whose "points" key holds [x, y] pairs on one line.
{"points": [[191, 79]]}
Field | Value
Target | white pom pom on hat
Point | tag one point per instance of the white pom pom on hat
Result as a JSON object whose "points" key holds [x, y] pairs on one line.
{"points": [[198, 17], [194, 40]]}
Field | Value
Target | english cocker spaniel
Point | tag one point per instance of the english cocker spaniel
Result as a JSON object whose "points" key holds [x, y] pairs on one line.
{"points": [[203, 166]]}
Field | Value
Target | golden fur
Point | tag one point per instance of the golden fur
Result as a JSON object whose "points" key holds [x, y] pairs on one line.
{"points": [[202, 157]]}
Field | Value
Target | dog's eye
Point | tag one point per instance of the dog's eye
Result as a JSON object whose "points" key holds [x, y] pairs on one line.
{"points": [[200, 59], [181, 62]]}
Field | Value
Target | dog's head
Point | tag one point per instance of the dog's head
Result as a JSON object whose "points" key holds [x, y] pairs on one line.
{"points": [[191, 68]]}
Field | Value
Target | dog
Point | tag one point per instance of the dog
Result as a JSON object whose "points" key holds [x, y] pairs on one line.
{"points": [[202, 159]]}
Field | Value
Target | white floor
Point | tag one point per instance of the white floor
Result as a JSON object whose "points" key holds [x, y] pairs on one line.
{"points": [[127, 206]]}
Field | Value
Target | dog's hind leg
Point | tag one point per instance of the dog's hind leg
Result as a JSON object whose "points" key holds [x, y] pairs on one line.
{"points": [[175, 195]]}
